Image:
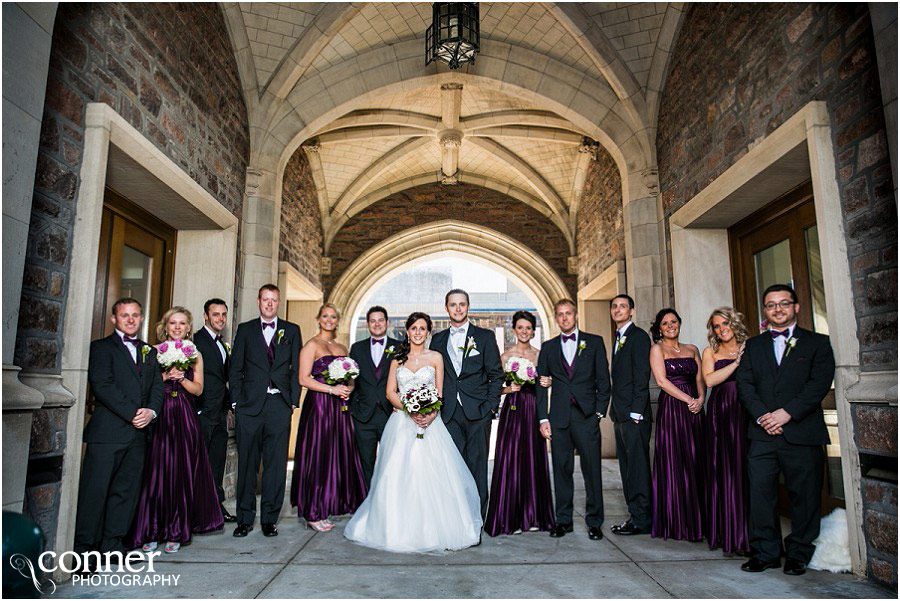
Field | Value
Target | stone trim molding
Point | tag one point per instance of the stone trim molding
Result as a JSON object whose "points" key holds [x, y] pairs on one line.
{"points": [[606, 285], [800, 149], [518, 262], [295, 287]]}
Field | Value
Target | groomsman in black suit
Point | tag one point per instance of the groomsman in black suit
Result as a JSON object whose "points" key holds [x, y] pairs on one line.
{"points": [[128, 394], [783, 377], [368, 401], [214, 403], [473, 378], [265, 389], [580, 396], [630, 412]]}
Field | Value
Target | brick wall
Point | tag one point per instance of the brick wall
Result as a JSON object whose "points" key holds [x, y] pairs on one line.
{"points": [[738, 71], [170, 71], [301, 222], [434, 202], [600, 233]]}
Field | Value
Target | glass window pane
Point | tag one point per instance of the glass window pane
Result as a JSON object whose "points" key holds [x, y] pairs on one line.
{"points": [[136, 270], [772, 266], [816, 281]]}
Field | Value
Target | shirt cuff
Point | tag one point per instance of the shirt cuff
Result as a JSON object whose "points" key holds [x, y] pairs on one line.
{"points": [[636, 416], [154, 413], [544, 421]]}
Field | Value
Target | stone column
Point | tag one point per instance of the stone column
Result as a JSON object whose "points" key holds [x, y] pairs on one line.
{"points": [[644, 247], [259, 242], [27, 34]]}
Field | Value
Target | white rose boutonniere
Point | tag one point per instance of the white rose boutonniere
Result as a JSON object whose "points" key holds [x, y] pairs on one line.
{"points": [[620, 343], [581, 346], [789, 345], [280, 336], [390, 351], [470, 346], [145, 350], [227, 348]]}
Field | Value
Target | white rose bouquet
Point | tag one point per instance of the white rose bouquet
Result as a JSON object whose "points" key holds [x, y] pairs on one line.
{"points": [[519, 371], [178, 353], [422, 400], [341, 370]]}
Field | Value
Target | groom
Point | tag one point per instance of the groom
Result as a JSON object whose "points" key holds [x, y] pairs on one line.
{"points": [[265, 389], [473, 377]]}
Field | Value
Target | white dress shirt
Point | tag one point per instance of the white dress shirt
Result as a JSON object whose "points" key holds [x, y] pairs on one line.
{"points": [[268, 333], [781, 342], [131, 348], [377, 350], [218, 343], [570, 347]]}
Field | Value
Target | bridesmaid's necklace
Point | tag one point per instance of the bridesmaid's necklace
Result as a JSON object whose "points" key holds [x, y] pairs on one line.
{"points": [[675, 347]]}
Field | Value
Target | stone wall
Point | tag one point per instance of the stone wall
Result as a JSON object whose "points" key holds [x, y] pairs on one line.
{"points": [[600, 233], [434, 202], [738, 71], [300, 243], [170, 71]]}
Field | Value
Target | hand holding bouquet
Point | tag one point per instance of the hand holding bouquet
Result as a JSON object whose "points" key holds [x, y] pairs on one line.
{"points": [[179, 354], [421, 400], [519, 371], [341, 370]]}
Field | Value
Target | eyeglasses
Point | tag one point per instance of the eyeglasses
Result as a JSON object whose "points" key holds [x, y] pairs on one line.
{"points": [[783, 304]]}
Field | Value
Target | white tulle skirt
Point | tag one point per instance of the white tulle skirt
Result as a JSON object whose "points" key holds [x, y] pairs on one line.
{"points": [[423, 498]]}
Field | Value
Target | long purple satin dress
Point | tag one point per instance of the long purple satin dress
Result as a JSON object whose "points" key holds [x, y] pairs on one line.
{"points": [[178, 494], [520, 485], [726, 451], [679, 469], [328, 478]]}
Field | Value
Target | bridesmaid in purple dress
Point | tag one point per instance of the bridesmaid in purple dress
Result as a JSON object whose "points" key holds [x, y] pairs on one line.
{"points": [[327, 478], [679, 470], [520, 485], [726, 435], [178, 494]]}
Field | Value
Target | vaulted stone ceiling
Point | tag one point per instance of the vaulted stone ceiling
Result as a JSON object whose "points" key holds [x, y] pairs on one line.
{"points": [[306, 58]]}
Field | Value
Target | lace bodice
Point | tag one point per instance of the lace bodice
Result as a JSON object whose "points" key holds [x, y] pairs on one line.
{"points": [[407, 378]]}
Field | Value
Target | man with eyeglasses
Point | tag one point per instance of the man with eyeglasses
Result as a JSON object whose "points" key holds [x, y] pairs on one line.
{"points": [[783, 377]]}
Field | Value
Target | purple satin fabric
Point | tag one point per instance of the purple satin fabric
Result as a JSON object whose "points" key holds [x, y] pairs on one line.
{"points": [[178, 495], [328, 477], [726, 451], [679, 469], [520, 485]]}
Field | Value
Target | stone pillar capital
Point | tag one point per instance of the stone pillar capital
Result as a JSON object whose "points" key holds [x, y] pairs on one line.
{"points": [[650, 181], [451, 86], [590, 147], [251, 187]]}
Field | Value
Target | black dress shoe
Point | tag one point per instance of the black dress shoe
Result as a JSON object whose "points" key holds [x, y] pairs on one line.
{"points": [[242, 530], [560, 530], [629, 529], [227, 516], [269, 530], [757, 565], [794, 567], [594, 533]]}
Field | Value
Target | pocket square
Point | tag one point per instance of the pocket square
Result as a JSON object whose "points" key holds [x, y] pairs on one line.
{"points": [[473, 353]]}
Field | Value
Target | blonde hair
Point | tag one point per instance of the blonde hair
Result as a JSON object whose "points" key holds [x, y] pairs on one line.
{"points": [[161, 325], [735, 321]]}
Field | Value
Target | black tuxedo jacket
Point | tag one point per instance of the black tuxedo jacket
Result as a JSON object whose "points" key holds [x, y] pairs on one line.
{"points": [[630, 371], [369, 390], [589, 384], [215, 400], [250, 374], [480, 379], [120, 390], [798, 385]]}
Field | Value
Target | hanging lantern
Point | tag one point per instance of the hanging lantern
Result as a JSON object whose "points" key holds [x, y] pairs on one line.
{"points": [[454, 34]]}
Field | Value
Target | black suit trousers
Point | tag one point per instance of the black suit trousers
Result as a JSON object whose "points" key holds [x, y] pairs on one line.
{"points": [[215, 435], [368, 435], [108, 494], [633, 449], [265, 436], [472, 441], [583, 434], [802, 467]]}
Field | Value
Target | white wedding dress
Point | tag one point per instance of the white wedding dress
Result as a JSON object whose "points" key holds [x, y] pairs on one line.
{"points": [[423, 498]]}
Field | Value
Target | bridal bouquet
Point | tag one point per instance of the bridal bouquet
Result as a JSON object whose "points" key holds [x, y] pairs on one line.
{"points": [[520, 371], [340, 371], [423, 400], [177, 353]]}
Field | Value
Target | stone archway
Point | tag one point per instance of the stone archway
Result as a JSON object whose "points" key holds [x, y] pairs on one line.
{"points": [[515, 260]]}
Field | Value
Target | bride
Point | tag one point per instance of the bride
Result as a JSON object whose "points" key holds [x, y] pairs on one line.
{"points": [[423, 497]]}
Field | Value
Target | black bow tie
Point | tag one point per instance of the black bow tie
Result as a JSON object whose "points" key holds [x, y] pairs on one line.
{"points": [[271, 324], [133, 341], [377, 341], [775, 333], [219, 338], [568, 337]]}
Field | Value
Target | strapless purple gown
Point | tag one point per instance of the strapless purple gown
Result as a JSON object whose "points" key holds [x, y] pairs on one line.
{"points": [[178, 495], [726, 451], [679, 468], [328, 477], [520, 485]]}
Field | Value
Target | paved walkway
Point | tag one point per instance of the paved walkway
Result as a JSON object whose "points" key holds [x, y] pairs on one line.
{"points": [[302, 563]]}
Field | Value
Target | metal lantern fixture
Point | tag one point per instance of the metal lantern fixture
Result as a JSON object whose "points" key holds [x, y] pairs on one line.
{"points": [[454, 34]]}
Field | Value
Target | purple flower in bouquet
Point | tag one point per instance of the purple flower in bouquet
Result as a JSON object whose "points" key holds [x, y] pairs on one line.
{"points": [[179, 343], [163, 347]]}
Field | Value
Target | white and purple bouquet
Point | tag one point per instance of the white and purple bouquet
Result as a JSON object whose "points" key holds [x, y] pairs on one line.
{"points": [[519, 371], [340, 371], [422, 400], [176, 353]]}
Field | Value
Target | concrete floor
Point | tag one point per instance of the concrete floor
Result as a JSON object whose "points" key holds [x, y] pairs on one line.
{"points": [[302, 563]]}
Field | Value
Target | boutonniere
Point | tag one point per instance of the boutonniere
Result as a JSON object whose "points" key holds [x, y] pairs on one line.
{"points": [[145, 350], [581, 346], [620, 343], [280, 335], [390, 350], [470, 346], [789, 345], [227, 348]]}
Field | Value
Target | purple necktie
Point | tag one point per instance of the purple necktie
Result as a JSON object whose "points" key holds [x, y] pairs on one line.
{"points": [[775, 333]]}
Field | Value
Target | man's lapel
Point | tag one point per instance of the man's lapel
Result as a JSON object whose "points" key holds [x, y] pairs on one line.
{"points": [[569, 370], [120, 344], [789, 357], [768, 347]]}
